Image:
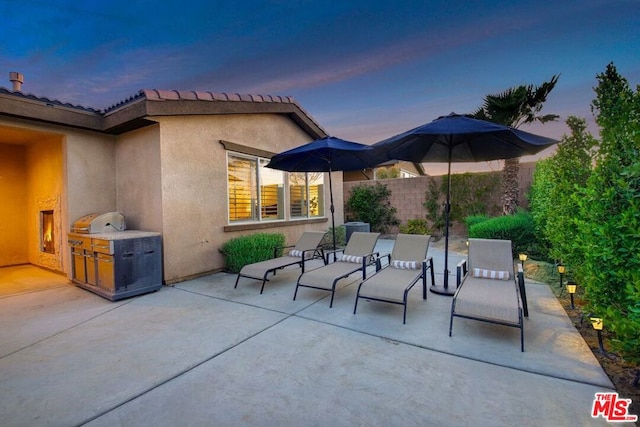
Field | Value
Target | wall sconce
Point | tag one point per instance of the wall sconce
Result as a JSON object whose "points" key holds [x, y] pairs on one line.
{"points": [[561, 271], [597, 324], [523, 257], [571, 289]]}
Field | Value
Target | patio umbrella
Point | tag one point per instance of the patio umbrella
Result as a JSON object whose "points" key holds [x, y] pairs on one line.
{"points": [[459, 138], [327, 154]]}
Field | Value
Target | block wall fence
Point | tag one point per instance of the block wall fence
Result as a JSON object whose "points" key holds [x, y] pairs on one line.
{"points": [[409, 194]]}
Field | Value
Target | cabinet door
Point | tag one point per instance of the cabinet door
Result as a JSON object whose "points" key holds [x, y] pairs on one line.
{"points": [[79, 271], [106, 275], [90, 261]]}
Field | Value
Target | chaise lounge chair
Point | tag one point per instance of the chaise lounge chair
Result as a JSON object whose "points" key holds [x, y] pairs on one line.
{"points": [[407, 263], [304, 250], [489, 291], [356, 257]]}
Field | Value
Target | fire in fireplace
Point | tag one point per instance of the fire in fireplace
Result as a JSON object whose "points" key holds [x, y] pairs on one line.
{"points": [[47, 235]]}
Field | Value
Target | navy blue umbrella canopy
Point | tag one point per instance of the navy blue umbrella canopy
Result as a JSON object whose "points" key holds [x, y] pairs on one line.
{"points": [[327, 154], [458, 138]]}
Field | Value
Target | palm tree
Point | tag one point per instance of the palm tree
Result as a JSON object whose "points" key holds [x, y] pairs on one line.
{"points": [[515, 107]]}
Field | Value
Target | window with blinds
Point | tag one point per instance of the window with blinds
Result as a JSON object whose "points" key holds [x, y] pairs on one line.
{"points": [[306, 192], [257, 193]]}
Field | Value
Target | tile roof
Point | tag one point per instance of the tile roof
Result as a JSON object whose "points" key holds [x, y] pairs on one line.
{"points": [[289, 104], [48, 101]]}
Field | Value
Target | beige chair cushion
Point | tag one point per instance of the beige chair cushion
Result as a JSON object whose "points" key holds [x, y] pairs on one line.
{"points": [[390, 283]]}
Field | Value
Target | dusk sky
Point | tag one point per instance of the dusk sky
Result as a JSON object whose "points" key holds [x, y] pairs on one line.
{"points": [[365, 70]]}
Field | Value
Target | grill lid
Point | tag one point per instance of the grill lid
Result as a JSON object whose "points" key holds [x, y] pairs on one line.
{"points": [[98, 223]]}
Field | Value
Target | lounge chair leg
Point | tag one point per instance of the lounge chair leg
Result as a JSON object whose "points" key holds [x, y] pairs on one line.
{"points": [[404, 315], [332, 294], [262, 288], [355, 307], [295, 293], [237, 278]]}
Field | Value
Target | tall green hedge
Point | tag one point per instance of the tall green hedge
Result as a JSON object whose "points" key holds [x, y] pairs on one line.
{"points": [[589, 211], [608, 238]]}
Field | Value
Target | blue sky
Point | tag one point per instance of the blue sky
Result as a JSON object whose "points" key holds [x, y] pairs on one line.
{"points": [[365, 70]]}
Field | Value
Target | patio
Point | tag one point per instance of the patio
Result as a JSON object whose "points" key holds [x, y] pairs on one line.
{"points": [[204, 353]]}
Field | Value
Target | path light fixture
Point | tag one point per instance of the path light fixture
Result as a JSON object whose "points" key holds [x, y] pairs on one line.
{"points": [[597, 324], [561, 271], [571, 289], [523, 257]]}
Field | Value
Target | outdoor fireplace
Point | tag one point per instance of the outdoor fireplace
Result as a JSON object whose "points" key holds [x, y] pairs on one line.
{"points": [[47, 236]]}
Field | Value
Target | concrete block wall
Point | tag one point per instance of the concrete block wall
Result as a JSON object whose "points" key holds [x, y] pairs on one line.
{"points": [[408, 194]]}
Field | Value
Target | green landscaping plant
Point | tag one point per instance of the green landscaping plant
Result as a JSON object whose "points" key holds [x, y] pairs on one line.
{"points": [[435, 211], [519, 228], [470, 193], [370, 204], [416, 226], [244, 250], [609, 215], [327, 240], [555, 191], [472, 220]]}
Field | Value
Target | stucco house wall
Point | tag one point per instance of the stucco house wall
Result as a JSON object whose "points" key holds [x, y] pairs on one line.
{"points": [[138, 176], [194, 182], [13, 218], [160, 158]]}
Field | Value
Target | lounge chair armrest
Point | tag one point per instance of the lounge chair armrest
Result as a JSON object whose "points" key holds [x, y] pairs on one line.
{"points": [[461, 271], [317, 253], [379, 259], [332, 251], [368, 259]]}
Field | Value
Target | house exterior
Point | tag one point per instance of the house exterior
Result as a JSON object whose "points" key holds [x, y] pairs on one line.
{"points": [[390, 169], [189, 165]]}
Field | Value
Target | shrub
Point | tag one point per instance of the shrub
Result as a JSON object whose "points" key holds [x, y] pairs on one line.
{"points": [[416, 226], [472, 220], [244, 250], [341, 239], [435, 212], [470, 194], [519, 228], [370, 204]]}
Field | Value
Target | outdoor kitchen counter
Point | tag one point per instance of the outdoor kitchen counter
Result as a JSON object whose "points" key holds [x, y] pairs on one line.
{"points": [[117, 264], [119, 235]]}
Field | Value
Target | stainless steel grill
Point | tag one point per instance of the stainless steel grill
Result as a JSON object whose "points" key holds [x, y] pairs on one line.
{"points": [[113, 262], [97, 223]]}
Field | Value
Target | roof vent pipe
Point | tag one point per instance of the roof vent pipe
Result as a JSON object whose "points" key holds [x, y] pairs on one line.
{"points": [[17, 79]]}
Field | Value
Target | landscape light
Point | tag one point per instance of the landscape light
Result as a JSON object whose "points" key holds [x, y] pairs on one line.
{"points": [[561, 270], [571, 288], [597, 324], [523, 257]]}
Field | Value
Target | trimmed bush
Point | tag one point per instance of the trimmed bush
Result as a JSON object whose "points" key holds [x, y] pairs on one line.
{"points": [[370, 203], [244, 250], [472, 220], [341, 238], [416, 226], [519, 228]]}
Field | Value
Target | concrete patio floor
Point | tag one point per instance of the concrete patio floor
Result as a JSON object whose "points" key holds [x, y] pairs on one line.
{"points": [[202, 353]]}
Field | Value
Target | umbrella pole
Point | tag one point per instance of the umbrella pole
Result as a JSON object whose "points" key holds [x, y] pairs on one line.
{"points": [[333, 221], [444, 290]]}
